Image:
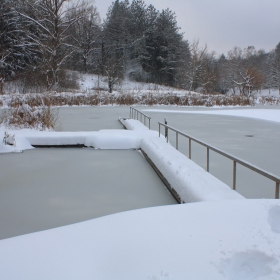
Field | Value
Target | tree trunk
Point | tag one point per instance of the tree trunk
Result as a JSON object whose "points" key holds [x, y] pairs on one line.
{"points": [[1, 87], [85, 65]]}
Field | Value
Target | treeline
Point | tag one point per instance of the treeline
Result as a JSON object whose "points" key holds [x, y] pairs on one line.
{"points": [[39, 39]]}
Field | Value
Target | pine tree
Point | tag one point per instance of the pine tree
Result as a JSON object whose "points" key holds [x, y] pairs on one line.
{"points": [[163, 46], [275, 68]]}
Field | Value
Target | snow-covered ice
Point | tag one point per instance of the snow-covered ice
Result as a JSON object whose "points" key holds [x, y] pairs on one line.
{"points": [[229, 239], [263, 114]]}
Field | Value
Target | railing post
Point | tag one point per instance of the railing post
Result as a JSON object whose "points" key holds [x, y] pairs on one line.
{"points": [[277, 191], [149, 123], [190, 148], [158, 129], [176, 140], [234, 176], [166, 130], [207, 163]]}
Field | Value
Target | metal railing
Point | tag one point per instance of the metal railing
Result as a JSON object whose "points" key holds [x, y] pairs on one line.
{"points": [[235, 160], [138, 115]]}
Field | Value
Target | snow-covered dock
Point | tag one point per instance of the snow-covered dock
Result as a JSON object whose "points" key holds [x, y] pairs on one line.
{"points": [[187, 181]]}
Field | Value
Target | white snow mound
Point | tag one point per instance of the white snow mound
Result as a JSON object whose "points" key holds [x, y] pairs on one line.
{"points": [[190, 181]]}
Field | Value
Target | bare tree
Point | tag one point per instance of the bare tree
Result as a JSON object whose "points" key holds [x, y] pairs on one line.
{"points": [[112, 65], [86, 37], [196, 66], [53, 19]]}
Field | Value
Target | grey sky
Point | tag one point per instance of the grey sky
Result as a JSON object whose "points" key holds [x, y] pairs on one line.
{"points": [[222, 24]]}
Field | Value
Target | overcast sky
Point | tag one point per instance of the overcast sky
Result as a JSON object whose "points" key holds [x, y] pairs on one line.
{"points": [[222, 24]]}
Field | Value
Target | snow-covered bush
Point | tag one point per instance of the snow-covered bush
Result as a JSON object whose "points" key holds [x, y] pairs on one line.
{"points": [[125, 98], [25, 116]]}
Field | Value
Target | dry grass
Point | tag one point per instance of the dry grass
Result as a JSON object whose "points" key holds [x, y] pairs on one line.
{"points": [[269, 100], [36, 110], [126, 98], [21, 115]]}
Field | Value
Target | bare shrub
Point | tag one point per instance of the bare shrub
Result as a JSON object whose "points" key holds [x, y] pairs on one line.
{"points": [[269, 100], [22, 115], [128, 98]]}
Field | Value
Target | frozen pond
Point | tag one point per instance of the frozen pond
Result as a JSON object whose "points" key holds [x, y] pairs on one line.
{"points": [[92, 118], [46, 188], [253, 140]]}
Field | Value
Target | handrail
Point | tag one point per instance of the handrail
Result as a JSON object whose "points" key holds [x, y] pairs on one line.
{"points": [[134, 114], [235, 160]]}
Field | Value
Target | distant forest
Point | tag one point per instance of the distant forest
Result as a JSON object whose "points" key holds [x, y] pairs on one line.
{"points": [[40, 39]]}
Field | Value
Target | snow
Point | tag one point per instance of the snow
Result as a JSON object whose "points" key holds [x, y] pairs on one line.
{"points": [[103, 139], [217, 240], [7, 148], [190, 181], [274, 218], [88, 82], [263, 114], [220, 235], [133, 124]]}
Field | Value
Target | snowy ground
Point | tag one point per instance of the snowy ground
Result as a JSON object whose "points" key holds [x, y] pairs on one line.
{"points": [[88, 82], [235, 240]]}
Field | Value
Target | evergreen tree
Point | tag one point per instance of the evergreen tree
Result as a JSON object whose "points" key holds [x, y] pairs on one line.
{"points": [[163, 48], [275, 68]]}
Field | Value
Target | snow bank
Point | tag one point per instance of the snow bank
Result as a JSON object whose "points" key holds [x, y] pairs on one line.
{"points": [[131, 124], [119, 139], [7, 149], [190, 181], [223, 240], [103, 139]]}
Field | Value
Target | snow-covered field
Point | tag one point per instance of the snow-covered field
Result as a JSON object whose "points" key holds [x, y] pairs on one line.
{"points": [[89, 82], [236, 240]]}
